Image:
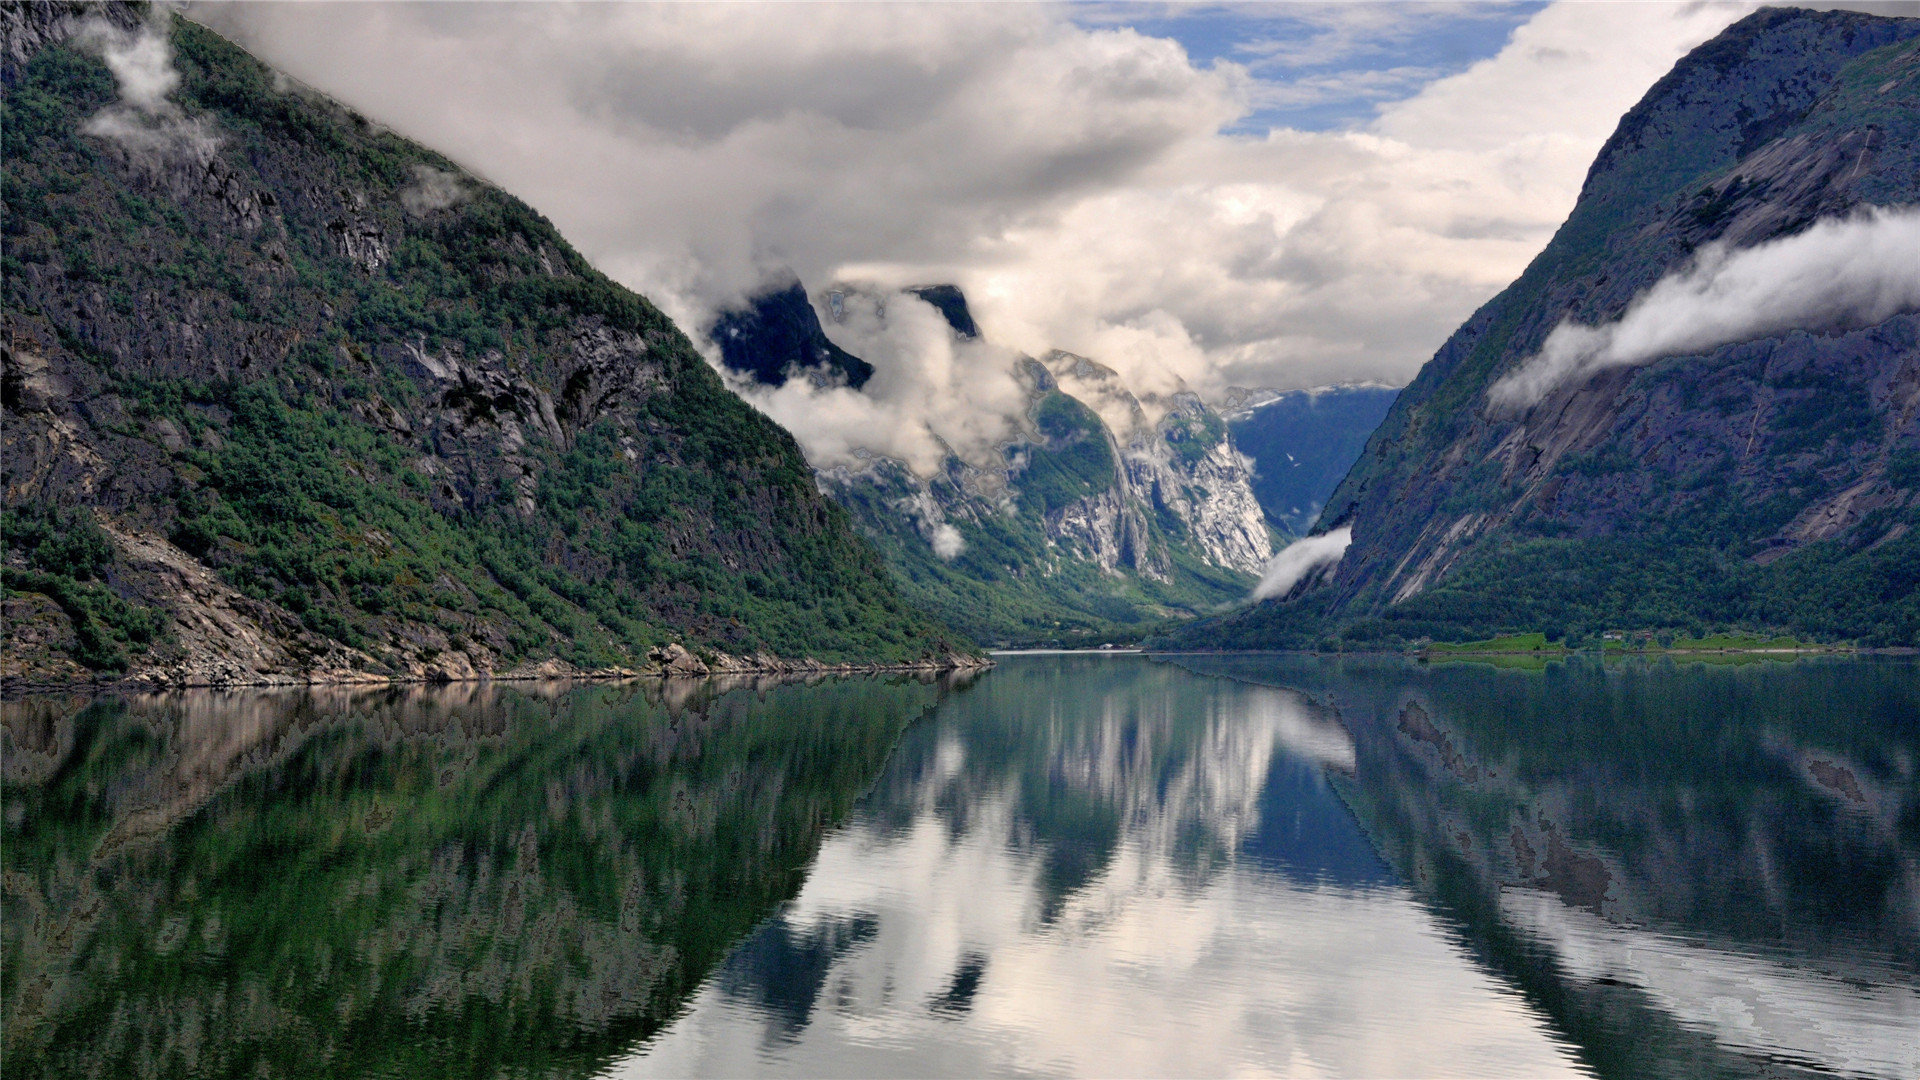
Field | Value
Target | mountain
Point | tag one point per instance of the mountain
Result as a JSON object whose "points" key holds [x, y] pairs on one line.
{"points": [[1751, 465], [780, 334], [952, 305], [1095, 521], [1302, 443], [290, 398]]}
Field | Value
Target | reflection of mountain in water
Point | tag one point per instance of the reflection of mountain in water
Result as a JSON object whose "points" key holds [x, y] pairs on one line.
{"points": [[1104, 866], [1130, 749], [349, 882], [1695, 870]]}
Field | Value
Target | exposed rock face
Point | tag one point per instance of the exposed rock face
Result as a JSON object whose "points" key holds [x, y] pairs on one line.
{"points": [[1184, 466], [1770, 482], [1096, 513], [779, 336], [330, 409]]}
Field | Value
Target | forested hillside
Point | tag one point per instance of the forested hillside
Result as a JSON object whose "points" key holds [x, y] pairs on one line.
{"points": [[290, 397]]}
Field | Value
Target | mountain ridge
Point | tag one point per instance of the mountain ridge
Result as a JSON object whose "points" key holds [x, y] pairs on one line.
{"points": [[292, 399], [1765, 483]]}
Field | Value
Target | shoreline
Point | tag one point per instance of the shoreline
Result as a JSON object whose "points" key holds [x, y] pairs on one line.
{"points": [[678, 664], [1559, 654]]}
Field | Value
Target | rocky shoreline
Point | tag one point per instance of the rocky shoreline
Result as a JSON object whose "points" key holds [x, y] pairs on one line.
{"points": [[674, 661]]}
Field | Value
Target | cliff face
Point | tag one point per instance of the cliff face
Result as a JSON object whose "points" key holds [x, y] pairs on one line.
{"points": [[1766, 478], [1082, 529], [288, 397], [780, 334], [1095, 518]]}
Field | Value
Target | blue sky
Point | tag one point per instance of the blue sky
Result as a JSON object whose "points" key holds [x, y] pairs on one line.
{"points": [[1325, 67]]}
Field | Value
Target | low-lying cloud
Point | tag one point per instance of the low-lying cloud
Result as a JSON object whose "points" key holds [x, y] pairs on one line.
{"points": [[145, 121], [432, 189], [932, 393], [1300, 558], [1842, 273]]}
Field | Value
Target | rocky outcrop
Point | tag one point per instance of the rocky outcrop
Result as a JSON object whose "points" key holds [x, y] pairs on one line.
{"points": [[778, 336]]}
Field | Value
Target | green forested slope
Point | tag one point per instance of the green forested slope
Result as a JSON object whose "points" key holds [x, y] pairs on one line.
{"points": [[404, 426]]}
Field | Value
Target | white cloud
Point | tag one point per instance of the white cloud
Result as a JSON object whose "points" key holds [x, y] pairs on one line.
{"points": [[145, 121], [1073, 180], [947, 542], [1300, 558], [432, 189], [931, 393], [1838, 274]]}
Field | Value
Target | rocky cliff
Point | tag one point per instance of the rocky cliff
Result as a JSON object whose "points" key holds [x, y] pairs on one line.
{"points": [[1699, 406], [289, 398], [1103, 513]]}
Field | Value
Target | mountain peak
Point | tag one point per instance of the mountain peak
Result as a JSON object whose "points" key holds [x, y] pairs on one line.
{"points": [[778, 336], [952, 304]]}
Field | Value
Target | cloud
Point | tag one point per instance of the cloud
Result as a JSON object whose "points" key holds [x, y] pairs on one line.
{"points": [[947, 542], [1300, 558], [145, 121], [1842, 273], [1082, 184], [432, 189], [932, 394]]}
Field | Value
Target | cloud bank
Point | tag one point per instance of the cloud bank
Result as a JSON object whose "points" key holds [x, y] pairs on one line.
{"points": [[1842, 273], [1090, 187], [1300, 558]]}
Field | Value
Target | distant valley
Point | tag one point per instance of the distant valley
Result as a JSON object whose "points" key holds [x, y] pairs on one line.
{"points": [[1099, 519]]}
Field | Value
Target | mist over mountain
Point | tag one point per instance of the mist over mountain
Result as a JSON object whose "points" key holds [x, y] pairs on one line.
{"points": [[1094, 514], [1655, 426]]}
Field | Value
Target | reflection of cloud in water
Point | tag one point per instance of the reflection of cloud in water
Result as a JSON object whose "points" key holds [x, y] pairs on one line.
{"points": [[1146, 968], [1856, 1024], [1140, 976]]}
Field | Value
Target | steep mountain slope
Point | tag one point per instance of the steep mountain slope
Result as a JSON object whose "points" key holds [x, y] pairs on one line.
{"points": [[1772, 481], [289, 397], [1078, 529], [1302, 443]]}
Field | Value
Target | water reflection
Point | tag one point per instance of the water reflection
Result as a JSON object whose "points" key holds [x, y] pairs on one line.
{"points": [[1075, 865], [1695, 870], [1105, 866], [476, 880]]}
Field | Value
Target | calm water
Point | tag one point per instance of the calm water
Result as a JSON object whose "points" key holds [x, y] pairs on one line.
{"points": [[1093, 865]]}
